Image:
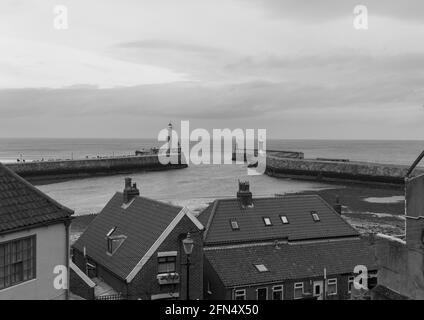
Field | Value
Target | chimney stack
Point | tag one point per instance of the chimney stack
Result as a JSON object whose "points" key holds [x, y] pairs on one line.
{"points": [[130, 191], [244, 194], [337, 206]]}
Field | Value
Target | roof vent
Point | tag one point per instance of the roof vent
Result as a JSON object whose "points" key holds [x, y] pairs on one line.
{"points": [[244, 194], [130, 191]]}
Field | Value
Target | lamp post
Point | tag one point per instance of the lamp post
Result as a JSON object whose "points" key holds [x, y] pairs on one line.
{"points": [[188, 245]]}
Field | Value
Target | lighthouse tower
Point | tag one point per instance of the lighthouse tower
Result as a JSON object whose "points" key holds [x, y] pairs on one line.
{"points": [[169, 138]]}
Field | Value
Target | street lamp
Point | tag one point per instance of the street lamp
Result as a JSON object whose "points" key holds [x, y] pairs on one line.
{"points": [[188, 245]]}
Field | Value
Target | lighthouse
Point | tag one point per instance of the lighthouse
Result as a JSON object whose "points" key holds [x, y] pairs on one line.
{"points": [[169, 138]]}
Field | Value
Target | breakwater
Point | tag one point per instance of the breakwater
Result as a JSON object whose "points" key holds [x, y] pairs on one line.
{"points": [[334, 170], [47, 171], [241, 154]]}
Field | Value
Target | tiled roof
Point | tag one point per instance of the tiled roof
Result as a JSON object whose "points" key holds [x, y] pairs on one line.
{"points": [[384, 293], [142, 222], [236, 266], [23, 206], [297, 208]]}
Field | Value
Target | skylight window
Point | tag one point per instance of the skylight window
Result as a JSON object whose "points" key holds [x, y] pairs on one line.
{"points": [[315, 216], [284, 219], [261, 267], [267, 221], [234, 225]]}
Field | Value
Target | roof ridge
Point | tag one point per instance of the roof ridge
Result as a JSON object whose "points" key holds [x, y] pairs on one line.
{"points": [[273, 197], [155, 201], [35, 189]]}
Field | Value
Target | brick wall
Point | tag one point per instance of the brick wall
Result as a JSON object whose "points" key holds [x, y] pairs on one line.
{"points": [[145, 283], [213, 288], [220, 292], [79, 287]]}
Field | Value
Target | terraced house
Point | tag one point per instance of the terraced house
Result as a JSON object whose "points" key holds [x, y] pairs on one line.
{"points": [[288, 247], [34, 240]]}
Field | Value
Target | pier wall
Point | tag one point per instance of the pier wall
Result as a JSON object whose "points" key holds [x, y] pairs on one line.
{"points": [[69, 169], [337, 170]]}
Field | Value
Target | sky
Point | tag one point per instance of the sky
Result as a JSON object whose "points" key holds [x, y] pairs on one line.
{"points": [[297, 68]]}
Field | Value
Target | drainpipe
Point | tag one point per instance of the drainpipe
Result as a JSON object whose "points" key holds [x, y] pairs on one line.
{"points": [[67, 257]]}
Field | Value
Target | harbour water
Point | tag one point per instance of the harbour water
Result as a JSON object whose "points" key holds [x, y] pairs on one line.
{"points": [[195, 186]]}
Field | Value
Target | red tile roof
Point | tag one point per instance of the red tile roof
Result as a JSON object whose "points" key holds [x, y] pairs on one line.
{"points": [[297, 208], [24, 206], [236, 266], [142, 223]]}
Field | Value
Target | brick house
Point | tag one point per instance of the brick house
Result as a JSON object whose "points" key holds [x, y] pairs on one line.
{"points": [[34, 240], [134, 248], [279, 248]]}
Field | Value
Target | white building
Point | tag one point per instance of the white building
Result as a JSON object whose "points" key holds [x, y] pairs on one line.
{"points": [[34, 233]]}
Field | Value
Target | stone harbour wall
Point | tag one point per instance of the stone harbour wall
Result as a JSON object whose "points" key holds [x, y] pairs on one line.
{"points": [[337, 170], [87, 167]]}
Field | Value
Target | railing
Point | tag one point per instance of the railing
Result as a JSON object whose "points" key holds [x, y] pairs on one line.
{"points": [[118, 296]]}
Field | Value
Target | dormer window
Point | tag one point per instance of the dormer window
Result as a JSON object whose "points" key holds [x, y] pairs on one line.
{"points": [[234, 224], [284, 219], [315, 216], [267, 221], [114, 241]]}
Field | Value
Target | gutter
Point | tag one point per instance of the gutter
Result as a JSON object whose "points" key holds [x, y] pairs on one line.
{"points": [[37, 225]]}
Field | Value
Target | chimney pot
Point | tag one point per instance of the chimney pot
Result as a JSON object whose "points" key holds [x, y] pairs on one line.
{"points": [[127, 183], [130, 191], [244, 194], [337, 206]]}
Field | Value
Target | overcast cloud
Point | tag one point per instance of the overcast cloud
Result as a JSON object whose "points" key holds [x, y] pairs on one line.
{"points": [[297, 68]]}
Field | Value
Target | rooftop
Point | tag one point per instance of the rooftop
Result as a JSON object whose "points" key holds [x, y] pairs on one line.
{"points": [[238, 265], [24, 206], [294, 217], [142, 222], [134, 225]]}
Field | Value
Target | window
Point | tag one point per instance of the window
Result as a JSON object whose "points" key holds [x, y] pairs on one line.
{"points": [[262, 294], [350, 283], [298, 290], [167, 264], [261, 267], [234, 225], [17, 261], [315, 216], [331, 287], [240, 294], [114, 241], [267, 221], [277, 293], [284, 219]]}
